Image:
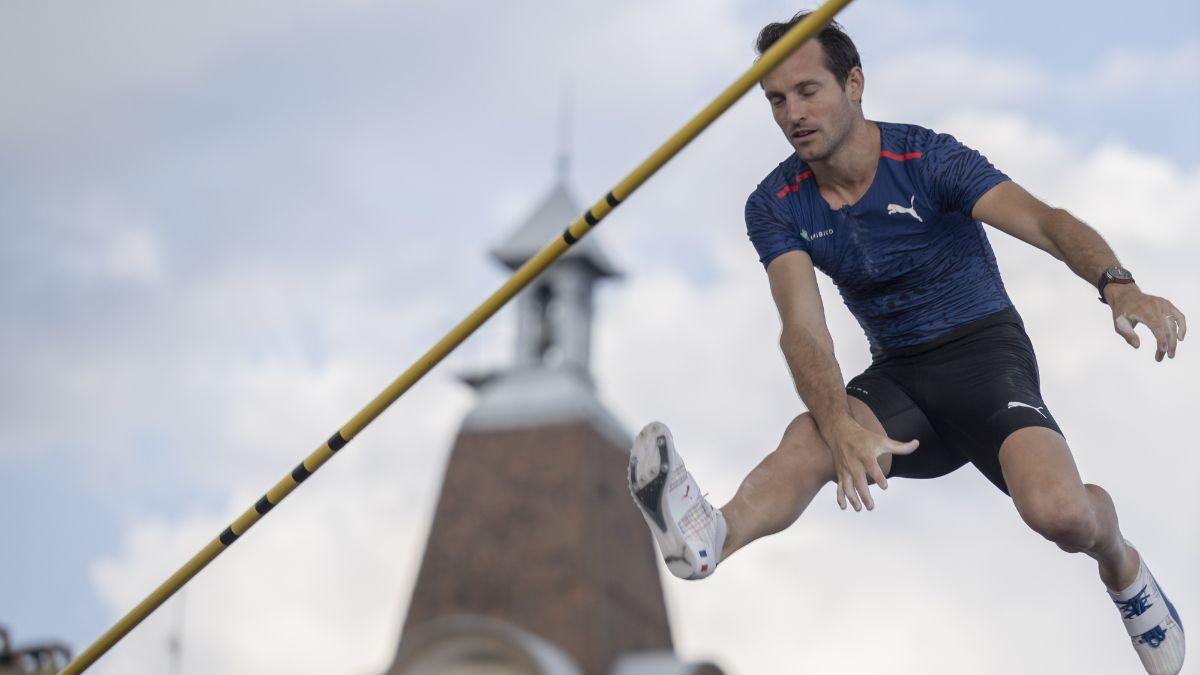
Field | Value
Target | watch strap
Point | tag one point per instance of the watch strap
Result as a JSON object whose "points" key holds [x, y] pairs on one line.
{"points": [[1106, 279]]}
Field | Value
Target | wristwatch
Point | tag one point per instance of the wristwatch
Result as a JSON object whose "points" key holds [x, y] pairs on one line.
{"points": [[1113, 275]]}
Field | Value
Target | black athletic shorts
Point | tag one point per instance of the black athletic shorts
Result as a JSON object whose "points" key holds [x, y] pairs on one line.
{"points": [[960, 395]]}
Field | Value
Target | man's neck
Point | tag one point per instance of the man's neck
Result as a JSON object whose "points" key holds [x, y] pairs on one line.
{"points": [[845, 176]]}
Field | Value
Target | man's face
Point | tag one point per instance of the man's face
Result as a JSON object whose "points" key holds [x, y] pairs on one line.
{"points": [[810, 105]]}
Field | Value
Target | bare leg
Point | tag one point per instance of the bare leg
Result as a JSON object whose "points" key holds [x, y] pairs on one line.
{"points": [[1052, 499], [778, 490]]}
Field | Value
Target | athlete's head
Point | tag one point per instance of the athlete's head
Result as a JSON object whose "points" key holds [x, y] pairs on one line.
{"points": [[816, 93]]}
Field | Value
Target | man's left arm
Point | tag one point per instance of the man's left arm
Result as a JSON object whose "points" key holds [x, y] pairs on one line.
{"points": [[1009, 208]]}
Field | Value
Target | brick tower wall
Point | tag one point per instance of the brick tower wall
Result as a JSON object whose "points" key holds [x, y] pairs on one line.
{"points": [[536, 527]]}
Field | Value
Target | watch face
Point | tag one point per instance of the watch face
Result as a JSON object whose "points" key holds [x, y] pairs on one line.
{"points": [[1118, 274]]}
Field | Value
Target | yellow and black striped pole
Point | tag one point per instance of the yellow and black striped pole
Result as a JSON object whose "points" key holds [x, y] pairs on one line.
{"points": [[526, 273]]}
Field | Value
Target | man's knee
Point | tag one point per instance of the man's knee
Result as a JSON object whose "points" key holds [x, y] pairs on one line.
{"points": [[804, 448], [1066, 520]]}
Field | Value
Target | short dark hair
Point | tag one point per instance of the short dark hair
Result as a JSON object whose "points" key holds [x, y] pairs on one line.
{"points": [[840, 53]]}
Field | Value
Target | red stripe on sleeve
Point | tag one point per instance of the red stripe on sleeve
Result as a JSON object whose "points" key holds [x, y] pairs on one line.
{"points": [[792, 187]]}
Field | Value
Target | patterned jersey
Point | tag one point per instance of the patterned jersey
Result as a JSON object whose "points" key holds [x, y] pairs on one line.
{"points": [[907, 258]]}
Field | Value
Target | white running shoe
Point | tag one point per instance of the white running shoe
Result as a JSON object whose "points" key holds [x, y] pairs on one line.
{"points": [[689, 531], [1152, 622]]}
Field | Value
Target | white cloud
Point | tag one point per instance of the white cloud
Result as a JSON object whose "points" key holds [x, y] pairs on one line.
{"points": [[112, 245], [939, 76], [318, 585], [945, 75], [1128, 73], [1128, 195], [72, 64]]}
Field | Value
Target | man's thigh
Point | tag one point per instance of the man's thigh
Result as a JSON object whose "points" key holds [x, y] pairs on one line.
{"points": [[893, 413], [986, 390], [1040, 470]]}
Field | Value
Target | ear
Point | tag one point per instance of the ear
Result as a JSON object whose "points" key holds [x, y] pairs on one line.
{"points": [[855, 83]]}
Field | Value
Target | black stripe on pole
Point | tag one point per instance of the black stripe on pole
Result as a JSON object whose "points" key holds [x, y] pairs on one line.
{"points": [[263, 505], [228, 537], [611, 199], [591, 220], [336, 442], [568, 237], [300, 473]]}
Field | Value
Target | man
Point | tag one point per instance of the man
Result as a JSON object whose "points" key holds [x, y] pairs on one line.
{"points": [[892, 212]]}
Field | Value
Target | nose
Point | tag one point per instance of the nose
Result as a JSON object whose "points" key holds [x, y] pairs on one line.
{"points": [[795, 109]]}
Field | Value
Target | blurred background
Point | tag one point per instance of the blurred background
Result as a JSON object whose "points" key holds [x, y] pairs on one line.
{"points": [[224, 227]]}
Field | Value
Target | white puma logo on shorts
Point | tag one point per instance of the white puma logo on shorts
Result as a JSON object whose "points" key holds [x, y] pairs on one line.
{"points": [[1018, 404]]}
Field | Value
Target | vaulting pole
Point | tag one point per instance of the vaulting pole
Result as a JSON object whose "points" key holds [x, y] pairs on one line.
{"points": [[521, 278]]}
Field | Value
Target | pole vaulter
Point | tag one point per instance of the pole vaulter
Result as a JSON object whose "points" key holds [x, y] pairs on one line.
{"points": [[521, 278]]}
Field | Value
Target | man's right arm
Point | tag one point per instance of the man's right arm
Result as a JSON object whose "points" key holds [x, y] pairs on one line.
{"points": [[808, 348], [806, 343]]}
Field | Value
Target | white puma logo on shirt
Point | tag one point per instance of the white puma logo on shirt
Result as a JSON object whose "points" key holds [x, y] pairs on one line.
{"points": [[911, 209], [1015, 404]]}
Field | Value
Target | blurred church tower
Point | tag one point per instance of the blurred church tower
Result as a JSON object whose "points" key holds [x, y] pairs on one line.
{"points": [[537, 561]]}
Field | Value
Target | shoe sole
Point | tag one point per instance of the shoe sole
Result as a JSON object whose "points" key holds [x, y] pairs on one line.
{"points": [[650, 464]]}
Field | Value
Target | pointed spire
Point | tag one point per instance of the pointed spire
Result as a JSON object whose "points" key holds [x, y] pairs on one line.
{"points": [[565, 109], [556, 210]]}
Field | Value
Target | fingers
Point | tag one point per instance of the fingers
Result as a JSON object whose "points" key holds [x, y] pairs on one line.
{"points": [[847, 488], [852, 487], [1176, 325], [848, 494], [860, 485], [1166, 322], [1172, 337], [1161, 343], [1180, 320], [876, 473], [1124, 327], [897, 448], [859, 466]]}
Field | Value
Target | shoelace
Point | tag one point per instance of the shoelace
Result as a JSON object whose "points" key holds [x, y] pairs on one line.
{"points": [[1153, 637], [1135, 606]]}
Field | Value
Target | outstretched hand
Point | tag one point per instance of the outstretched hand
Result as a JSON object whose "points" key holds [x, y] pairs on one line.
{"points": [[856, 452], [1130, 306]]}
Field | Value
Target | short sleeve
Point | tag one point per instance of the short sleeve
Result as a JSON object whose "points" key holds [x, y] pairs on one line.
{"points": [[957, 175], [769, 228]]}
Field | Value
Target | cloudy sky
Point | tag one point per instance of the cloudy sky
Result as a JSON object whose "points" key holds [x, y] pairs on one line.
{"points": [[226, 226]]}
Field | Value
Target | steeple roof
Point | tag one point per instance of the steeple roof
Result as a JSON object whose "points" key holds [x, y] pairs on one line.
{"points": [[557, 210]]}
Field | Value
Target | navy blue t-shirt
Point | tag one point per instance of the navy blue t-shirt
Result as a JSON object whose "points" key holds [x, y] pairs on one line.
{"points": [[907, 258]]}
